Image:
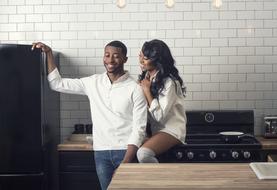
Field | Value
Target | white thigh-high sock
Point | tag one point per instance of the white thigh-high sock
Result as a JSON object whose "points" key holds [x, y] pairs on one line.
{"points": [[146, 155]]}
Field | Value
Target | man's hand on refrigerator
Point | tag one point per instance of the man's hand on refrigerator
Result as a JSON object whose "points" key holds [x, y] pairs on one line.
{"points": [[41, 46], [50, 58]]}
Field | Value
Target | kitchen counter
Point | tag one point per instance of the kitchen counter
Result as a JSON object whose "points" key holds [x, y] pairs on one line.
{"points": [[269, 143], [269, 148], [196, 176], [75, 146]]}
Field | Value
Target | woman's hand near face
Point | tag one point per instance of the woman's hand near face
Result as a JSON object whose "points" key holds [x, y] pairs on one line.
{"points": [[145, 85]]}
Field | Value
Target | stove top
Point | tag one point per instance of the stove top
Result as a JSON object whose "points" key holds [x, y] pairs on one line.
{"points": [[217, 139], [205, 144]]}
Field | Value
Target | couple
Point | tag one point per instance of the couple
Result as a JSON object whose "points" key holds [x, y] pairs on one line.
{"points": [[120, 107]]}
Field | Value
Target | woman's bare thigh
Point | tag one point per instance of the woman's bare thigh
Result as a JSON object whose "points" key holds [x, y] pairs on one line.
{"points": [[161, 142]]}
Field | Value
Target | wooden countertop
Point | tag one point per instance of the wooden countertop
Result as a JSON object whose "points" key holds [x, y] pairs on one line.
{"points": [[196, 176], [268, 144], [75, 146]]}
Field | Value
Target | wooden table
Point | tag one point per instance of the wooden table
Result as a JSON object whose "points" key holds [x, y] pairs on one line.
{"points": [[191, 176]]}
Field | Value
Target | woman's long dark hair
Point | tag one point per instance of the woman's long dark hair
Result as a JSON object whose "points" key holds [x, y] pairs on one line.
{"points": [[159, 54]]}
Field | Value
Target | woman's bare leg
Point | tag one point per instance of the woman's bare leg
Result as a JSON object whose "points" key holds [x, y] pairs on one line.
{"points": [[161, 142], [156, 145]]}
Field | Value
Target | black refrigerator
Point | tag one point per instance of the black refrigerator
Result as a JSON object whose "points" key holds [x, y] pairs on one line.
{"points": [[29, 120]]}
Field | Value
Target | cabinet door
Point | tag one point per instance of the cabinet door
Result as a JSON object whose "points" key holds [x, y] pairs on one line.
{"points": [[79, 181], [77, 171], [22, 182], [79, 161]]}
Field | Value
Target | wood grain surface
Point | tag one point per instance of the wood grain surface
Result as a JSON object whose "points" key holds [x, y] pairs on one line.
{"points": [[75, 146], [81, 145], [192, 176], [268, 144]]}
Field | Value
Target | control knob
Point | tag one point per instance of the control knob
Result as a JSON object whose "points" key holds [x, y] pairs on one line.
{"points": [[246, 154], [190, 155], [235, 154], [212, 154], [179, 155]]}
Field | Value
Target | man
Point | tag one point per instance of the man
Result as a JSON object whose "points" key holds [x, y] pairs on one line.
{"points": [[118, 108]]}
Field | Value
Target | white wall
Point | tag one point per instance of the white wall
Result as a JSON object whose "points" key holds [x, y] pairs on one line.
{"points": [[227, 56]]}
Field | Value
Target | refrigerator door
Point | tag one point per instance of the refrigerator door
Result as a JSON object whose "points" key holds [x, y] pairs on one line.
{"points": [[21, 150]]}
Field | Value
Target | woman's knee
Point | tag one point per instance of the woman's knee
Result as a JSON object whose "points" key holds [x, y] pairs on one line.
{"points": [[146, 155]]}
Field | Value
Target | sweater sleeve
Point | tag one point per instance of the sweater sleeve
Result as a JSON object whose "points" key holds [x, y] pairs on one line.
{"points": [[65, 85], [139, 118]]}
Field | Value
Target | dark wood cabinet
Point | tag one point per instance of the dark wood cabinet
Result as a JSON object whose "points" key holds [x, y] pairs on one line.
{"points": [[77, 171]]}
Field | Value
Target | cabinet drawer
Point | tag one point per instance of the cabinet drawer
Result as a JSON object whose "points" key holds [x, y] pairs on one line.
{"points": [[79, 161], [79, 181]]}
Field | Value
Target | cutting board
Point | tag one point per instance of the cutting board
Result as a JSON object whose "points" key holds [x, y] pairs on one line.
{"points": [[264, 170]]}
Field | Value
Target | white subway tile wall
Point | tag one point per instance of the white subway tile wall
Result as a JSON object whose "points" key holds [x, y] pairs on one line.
{"points": [[227, 56]]}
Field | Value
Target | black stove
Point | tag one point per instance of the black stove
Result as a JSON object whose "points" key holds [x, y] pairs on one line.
{"points": [[204, 143]]}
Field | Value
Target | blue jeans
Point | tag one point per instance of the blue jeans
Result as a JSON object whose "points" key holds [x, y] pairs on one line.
{"points": [[106, 162]]}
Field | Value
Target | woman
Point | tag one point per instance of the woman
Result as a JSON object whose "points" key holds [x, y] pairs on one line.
{"points": [[164, 91]]}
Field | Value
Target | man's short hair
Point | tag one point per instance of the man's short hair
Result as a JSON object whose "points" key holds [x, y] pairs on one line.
{"points": [[118, 44]]}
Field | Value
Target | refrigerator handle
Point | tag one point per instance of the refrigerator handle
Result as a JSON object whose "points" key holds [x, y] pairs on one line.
{"points": [[43, 81]]}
